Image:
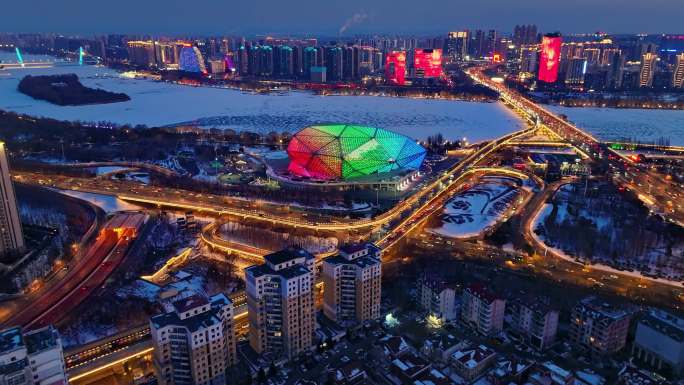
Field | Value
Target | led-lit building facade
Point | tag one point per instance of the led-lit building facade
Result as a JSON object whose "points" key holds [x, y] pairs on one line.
{"points": [[427, 63], [395, 68], [191, 60], [141, 53], [344, 152], [549, 58], [577, 69], [648, 65], [678, 74]]}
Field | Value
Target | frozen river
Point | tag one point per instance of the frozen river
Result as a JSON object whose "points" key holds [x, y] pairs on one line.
{"points": [[162, 104], [622, 124]]}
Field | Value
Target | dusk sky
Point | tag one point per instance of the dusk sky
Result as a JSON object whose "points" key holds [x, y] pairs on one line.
{"points": [[329, 16]]}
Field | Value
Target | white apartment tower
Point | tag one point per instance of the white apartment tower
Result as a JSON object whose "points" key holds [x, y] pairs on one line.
{"points": [[194, 341], [280, 303], [31, 358], [352, 284], [482, 310]]}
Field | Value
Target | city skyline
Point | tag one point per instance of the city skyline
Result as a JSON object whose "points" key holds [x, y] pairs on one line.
{"points": [[394, 193], [345, 19]]}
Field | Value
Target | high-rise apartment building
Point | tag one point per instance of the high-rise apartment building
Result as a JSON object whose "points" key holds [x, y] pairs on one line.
{"points": [[607, 56], [194, 341], [592, 55], [482, 310], [264, 60], [457, 46], [351, 284], [350, 67], [599, 326], [334, 62], [648, 65], [525, 35], [11, 235], [242, 60], [577, 69], [141, 53], [284, 61], [166, 53], [297, 60], [309, 59], [280, 303], [536, 321], [31, 358], [492, 43], [529, 58], [678, 74], [437, 296], [616, 70]]}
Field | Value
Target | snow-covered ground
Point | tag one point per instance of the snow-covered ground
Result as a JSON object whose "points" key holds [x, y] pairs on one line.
{"points": [[108, 203], [108, 169], [606, 224], [274, 240], [471, 212], [159, 104], [560, 253], [620, 124]]}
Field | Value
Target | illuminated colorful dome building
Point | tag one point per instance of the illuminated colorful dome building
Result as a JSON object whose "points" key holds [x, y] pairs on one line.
{"points": [[345, 152]]}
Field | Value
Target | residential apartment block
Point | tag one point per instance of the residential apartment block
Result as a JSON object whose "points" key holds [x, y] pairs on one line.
{"points": [[194, 341], [352, 284], [280, 303]]}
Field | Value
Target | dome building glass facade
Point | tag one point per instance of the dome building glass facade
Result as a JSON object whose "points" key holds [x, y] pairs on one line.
{"points": [[344, 152]]}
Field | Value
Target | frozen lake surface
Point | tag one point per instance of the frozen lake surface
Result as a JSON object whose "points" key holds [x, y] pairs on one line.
{"points": [[622, 124], [162, 104]]}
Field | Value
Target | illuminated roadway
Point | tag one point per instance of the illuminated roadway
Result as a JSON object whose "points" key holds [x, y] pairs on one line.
{"points": [[445, 186], [151, 196], [69, 275], [650, 187]]}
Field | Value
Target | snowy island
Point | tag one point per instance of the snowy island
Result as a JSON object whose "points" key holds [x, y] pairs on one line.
{"points": [[66, 90]]}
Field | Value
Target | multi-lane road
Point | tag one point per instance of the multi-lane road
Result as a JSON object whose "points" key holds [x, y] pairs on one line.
{"points": [[652, 188], [398, 222], [269, 212], [55, 302]]}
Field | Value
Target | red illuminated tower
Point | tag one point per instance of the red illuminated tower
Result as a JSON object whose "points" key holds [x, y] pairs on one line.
{"points": [[550, 58], [395, 68], [428, 63]]}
